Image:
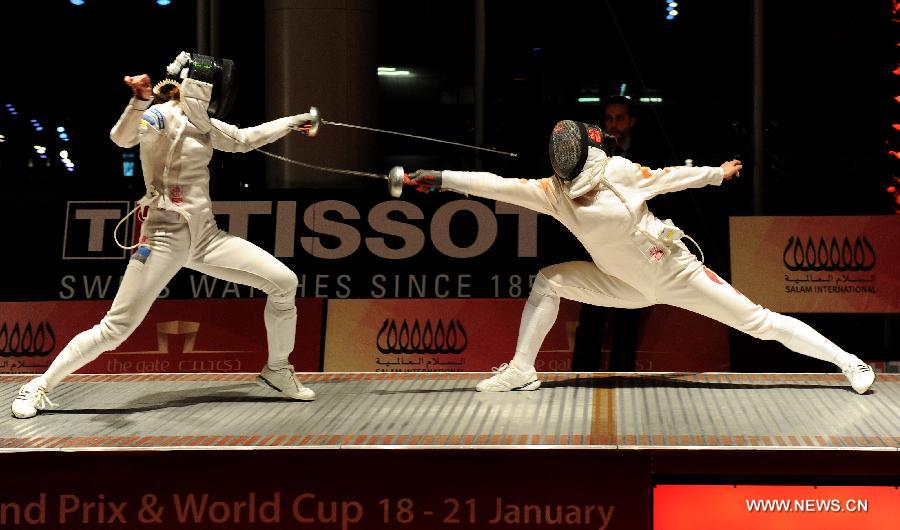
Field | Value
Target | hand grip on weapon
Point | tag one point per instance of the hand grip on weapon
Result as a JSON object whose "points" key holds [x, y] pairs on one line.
{"points": [[424, 180], [175, 67], [309, 122], [303, 123]]}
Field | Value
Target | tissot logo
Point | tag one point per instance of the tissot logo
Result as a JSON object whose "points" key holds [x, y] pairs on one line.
{"points": [[89, 229], [417, 338], [829, 256], [28, 340]]}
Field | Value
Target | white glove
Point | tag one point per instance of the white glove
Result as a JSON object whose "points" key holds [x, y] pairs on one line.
{"points": [[299, 120], [178, 64]]}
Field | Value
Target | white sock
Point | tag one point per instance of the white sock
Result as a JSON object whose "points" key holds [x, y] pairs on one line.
{"points": [[277, 364], [801, 338], [538, 317], [70, 359], [281, 326]]}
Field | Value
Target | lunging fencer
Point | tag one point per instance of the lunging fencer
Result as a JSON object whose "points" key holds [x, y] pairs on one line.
{"points": [[177, 131], [637, 259]]}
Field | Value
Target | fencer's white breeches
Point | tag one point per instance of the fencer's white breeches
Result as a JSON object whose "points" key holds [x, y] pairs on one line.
{"points": [[682, 282], [217, 254]]}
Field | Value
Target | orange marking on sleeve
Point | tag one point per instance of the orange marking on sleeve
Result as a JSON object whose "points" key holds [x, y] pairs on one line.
{"points": [[645, 171], [713, 276]]}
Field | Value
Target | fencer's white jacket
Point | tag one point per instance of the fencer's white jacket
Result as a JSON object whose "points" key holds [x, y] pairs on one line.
{"points": [[177, 139], [621, 243]]}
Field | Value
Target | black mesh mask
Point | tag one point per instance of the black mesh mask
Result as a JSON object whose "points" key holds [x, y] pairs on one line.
{"points": [[221, 74], [569, 144]]}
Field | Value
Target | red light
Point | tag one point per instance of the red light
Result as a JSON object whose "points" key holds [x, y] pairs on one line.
{"points": [[894, 154], [891, 189], [896, 126]]}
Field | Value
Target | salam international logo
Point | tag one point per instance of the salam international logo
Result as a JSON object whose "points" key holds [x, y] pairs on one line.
{"points": [[832, 256], [29, 340], [419, 338]]}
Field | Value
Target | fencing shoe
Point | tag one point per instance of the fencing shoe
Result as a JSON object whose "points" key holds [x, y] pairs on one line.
{"points": [[283, 381], [31, 399], [507, 377], [860, 375]]}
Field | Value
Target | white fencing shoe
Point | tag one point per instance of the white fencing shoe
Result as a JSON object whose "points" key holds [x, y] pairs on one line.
{"points": [[507, 377], [860, 375], [283, 381], [31, 399]]}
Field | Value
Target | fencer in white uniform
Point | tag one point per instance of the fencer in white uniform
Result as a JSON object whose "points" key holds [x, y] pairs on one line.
{"points": [[177, 139], [637, 259]]}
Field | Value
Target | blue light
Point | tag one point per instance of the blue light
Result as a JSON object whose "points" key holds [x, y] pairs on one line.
{"points": [[39, 128], [60, 129], [671, 9], [76, 2], [535, 49], [163, 3], [64, 136], [127, 164]]}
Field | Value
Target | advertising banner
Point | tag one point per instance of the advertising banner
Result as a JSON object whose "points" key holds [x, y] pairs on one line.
{"points": [[746, 507], [176, 336], [818, 264], [357, 246], [676, 340], [461, 335], [346, 489]]}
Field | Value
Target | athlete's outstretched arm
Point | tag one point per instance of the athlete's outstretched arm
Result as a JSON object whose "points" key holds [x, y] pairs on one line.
{"points": [[195, 97], [671, 179], [227, 137], [535, 195]]}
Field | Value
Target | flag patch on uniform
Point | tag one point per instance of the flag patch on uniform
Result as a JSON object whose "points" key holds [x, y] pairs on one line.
{"points": [[153, 118]]}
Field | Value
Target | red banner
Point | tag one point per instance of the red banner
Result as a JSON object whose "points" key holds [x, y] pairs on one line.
{"points": [[225, 335], [449, 335], [699, 345], [696, 507], [818, 264]]}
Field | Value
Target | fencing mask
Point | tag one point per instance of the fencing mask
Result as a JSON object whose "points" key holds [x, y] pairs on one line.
{"points": [[220, 73], [569, 144]]}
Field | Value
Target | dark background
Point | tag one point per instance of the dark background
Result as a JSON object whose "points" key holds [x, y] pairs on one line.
{"points": [[828, 92], [828, 101]]}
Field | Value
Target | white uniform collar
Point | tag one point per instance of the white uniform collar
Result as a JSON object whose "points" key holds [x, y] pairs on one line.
{"points": [[589, 178]]}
